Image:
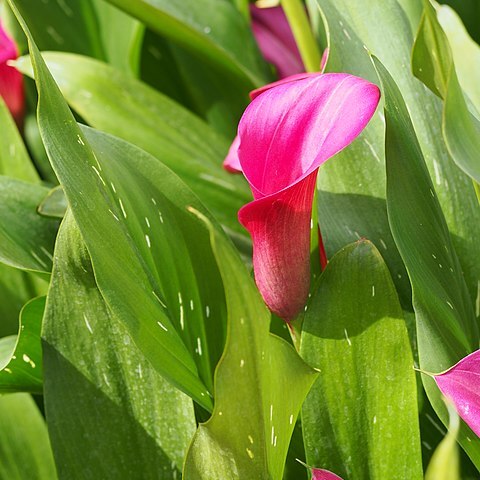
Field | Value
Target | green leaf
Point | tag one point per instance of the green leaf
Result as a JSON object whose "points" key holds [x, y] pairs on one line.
{"points": [[26, 238], [121, 37], [446, 324], [360, 419], [358, 173], [14, 159], [142, 241], [445, 464], [212, 29], [118, 104], [55, 204], [25, 452], [104, 401], [260, 380], [432, 63], [21, 354], [466, 53], [64, 25]]}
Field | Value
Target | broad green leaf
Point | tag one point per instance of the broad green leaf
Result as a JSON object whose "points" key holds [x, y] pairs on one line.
{"points": [[358, 173], [131, 212], [469, 11], [54, 205], [64, 25], [432, 63], [110, 414], [121, 36], [466, 53], [260, 380], [25, 452], [212, 29], [445, 464], [21, 354], [446, 324], [14, 159], [123, 106], [26, 238], [360, 419]]}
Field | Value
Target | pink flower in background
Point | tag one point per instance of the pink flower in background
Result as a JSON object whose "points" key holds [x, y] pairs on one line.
{"points": [[11, 83], [461, 384], [275, 40], [285, 134]]}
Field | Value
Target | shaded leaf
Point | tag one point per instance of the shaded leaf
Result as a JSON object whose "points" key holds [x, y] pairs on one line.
{"points": [[213, 29], [360, 419], [54, 204]]}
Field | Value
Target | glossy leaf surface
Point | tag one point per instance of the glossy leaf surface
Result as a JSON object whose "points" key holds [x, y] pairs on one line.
{"points": [[360, 418], [260, 380], [104, 401]]}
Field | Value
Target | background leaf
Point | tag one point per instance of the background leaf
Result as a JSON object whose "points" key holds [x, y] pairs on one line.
{"points": [[259, 379], [360, 419], [26, 238], [21, 354], [25, 452], [104, 401]]}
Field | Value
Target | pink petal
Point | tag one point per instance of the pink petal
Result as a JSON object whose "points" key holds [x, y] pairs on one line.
{"points": [[461, 384], [285, 134], [280, 228], [11, 82], [275, 40], [290, 130], [232, 162], [319, 474]]}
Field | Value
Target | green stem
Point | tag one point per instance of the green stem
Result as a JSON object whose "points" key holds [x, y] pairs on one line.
{"points": [[243, 7], [302, 31]]}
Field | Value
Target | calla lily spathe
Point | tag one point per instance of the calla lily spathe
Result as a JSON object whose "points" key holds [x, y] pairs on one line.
{"points": [[11, 83], [275, 39], [319, 474], [461, 384], [286, 133]]}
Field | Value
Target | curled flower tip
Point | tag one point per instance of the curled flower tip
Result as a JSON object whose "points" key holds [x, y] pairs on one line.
{"points": [[232, 162], [319, 474], [285, 134], [461, 384], [275, 39], [11, 82]]}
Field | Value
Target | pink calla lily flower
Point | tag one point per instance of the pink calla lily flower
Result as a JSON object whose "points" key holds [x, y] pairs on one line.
{"points": [[319, 474], [461, 384], [285, 134], [275, 40], [11, 82]]}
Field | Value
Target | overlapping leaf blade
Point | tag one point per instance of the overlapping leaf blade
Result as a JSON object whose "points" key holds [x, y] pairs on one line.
{"points": [[104, 401], [360, 419], [446, 324], [260, 384]]}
